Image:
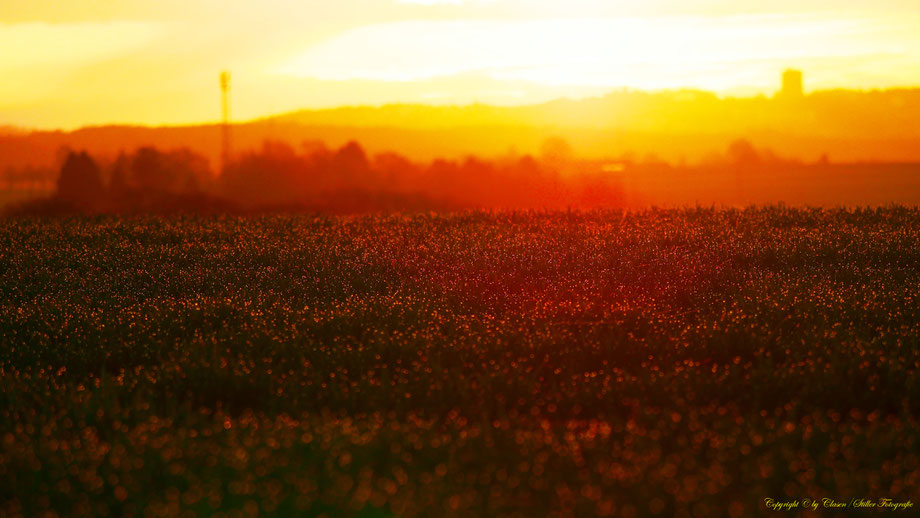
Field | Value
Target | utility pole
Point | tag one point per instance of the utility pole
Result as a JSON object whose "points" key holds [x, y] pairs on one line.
{"points": [[225, 126]]}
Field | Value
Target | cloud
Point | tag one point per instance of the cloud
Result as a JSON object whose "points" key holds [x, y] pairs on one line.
{"points": [[647, 52], [68, 45]]}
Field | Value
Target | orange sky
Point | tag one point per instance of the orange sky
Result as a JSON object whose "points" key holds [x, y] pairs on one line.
{"points": [[156, 62]]}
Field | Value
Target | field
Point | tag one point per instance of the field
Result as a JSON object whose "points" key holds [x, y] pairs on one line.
{"points": [[666, 362]]}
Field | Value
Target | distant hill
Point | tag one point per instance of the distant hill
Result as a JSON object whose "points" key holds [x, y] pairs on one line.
{"points": [[832, 113], [675, 126]]}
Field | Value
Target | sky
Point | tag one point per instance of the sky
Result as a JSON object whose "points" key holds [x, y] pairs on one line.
{"points": [[66, 64]]}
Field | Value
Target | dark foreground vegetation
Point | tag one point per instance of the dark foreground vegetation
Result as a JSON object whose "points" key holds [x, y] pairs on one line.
{"points": [[669, 363]]}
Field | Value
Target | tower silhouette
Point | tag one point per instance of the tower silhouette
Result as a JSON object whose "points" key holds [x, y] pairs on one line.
{"points": [[225, 125], [792, 84]]}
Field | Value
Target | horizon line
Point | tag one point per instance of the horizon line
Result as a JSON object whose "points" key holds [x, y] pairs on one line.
{"points": [[9, 128]]}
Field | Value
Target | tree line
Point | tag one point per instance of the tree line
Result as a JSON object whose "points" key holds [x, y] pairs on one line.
{"points": [[316, 177]]}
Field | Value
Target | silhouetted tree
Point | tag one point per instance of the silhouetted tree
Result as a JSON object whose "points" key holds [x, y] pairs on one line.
{"points": [[274, 175], [80, 181], [189, 171], [178, 171], [742, 153], [395, 171], [350, 164], [147, 170], [118, 180], [352, 156]]}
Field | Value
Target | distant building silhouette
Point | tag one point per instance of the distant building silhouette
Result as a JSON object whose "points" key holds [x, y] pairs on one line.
{"points": [[792, 84]]}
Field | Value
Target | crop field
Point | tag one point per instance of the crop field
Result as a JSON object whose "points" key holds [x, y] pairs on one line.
{"points": [[686, 363]]}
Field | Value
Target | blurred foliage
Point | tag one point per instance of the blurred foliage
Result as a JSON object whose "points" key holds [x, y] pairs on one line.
{"points": [[671, 363]]}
